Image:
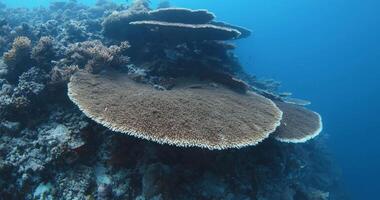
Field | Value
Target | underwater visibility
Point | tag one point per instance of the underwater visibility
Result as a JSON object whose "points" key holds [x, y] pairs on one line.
{"points": [[163, 100]]}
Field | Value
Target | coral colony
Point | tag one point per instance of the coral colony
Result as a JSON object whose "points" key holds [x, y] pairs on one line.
{"points": [[76, 82]]}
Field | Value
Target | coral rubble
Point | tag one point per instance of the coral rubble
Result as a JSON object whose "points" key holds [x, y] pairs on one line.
{"points": [[168, 75]]}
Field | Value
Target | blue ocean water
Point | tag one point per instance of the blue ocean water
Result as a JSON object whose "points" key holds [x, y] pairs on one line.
{"points": [[324, 51]]}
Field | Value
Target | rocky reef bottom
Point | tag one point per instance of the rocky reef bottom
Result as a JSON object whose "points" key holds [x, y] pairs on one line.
{"points": [[67, 156]]}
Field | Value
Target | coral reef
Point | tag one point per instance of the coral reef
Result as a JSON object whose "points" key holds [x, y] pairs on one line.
{"points": [[187, 115], [49, 149], [44, 52], [94, 56], [298, 124], [179, 32], [18, 58]]}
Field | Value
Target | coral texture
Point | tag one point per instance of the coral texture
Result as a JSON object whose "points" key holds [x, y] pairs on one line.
{"points": [[18, 58], [187, 115], [180, 32], [181, 15], [298, 124]]}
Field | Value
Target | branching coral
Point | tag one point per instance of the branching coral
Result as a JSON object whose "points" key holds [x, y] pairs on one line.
{"points": [[94, 56], [18, 58], [62, 75], [26, 96], [43, 53]]}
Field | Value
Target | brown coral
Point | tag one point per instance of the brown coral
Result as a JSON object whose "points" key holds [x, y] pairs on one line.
{"points": [[298, 124], [94, 56], [181, 15], [62, 75], [43, 53], [171, 23], [117, 25], [180, 32], [204, 116], [18, 58]]}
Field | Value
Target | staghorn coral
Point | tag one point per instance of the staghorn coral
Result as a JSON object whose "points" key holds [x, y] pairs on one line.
{"points": [[298, 124], [75, 31], [59, 76], [18, 58], [208, 117], [94, 56], [44, 52], [28, 95]]}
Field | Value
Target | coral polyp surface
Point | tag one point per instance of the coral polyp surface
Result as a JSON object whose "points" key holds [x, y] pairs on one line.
{"points": [[190, 114], [298, 124]]}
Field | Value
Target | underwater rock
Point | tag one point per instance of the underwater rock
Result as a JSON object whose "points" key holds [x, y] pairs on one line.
{"points": [[74, 184], [181, 116], [7, 127], [3, 69], [155, 180]]}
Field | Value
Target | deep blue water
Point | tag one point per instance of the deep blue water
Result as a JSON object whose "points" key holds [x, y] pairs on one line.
{"points": [[325, 51]]}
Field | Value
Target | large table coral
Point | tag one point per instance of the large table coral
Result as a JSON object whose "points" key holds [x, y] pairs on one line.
{"points": [[214, 118], [190, 114]]}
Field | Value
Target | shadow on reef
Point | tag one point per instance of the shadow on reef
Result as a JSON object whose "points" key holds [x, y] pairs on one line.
{"points": [[49, 149]]}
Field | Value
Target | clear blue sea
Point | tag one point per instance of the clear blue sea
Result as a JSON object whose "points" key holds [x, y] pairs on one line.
{"points": [[322, 50]]}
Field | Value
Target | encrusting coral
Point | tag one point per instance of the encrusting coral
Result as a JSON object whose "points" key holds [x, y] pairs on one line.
{"points": [[187, 115]]}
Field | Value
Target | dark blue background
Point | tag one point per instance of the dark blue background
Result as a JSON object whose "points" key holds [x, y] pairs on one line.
{"points": [[327, 51]]}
